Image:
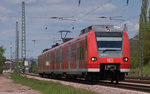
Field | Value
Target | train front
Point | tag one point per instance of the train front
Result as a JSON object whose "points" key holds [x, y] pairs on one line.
{"points": [[109, 53]]}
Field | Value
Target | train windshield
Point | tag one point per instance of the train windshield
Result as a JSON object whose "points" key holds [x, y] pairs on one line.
{"points": [[109, 41]]}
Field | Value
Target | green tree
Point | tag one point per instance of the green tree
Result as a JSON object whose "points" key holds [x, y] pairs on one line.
{"points": [[144, 28], [2, 58]]}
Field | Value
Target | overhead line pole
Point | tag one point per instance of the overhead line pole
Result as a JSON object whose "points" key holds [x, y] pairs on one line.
{"points": [[11, 50], [17, 49], [23, 38]]}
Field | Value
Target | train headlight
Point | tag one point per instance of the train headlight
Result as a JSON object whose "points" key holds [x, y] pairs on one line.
{"points": [[93, 59], [125, 59]]}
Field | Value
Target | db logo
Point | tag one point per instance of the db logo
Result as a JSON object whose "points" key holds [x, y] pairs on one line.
{"points": [[110, 60]]}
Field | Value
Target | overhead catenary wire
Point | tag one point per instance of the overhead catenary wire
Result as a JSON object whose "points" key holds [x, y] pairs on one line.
{"points": [[130, 18], [89, 12], [86, 14]]}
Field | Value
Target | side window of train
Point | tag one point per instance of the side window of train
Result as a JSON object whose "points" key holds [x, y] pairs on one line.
{"points": [[49, 58], [77, 52], [45, 59], [62, 56], [41, 61], [82, 52], [69, 55], [72, 55], [57, 57], [66, 55], [86, 49], [53, 58]]}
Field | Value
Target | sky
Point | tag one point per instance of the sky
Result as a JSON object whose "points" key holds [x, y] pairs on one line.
{"points": [[44, 30]]}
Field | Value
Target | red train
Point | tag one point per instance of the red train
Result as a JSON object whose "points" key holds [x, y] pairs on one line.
{"points": [[100, 52]]}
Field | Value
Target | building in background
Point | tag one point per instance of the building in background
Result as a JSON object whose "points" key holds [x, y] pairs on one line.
{"points": [[8, 66]]}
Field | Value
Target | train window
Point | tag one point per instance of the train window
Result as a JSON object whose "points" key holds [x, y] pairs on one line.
{"points": [[82, 53], [54, 58], [109, 45], [69, 55], [108, 34], [42, 60], [62, 57], [111, 41], [38, 62], [66, 59], [49, 58], [78, 53]]}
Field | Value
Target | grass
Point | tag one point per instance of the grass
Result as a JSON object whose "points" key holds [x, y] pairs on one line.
{"points": [[48, 87]]}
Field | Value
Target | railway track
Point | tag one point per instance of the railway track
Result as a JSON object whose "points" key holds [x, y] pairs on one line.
{"points": [[127, 85], [137, 85], [138, 78], [137, 81]]}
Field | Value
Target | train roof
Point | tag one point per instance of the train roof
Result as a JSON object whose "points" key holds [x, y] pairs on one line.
{"points": [[65, 43], [101, 28]]}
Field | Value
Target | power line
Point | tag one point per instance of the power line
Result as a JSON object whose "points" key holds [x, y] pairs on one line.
{"points": [[92, 10], [130, 18], [86, 14]]}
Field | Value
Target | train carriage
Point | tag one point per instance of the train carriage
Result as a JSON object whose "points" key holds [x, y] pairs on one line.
{"points": [[100, 52]]}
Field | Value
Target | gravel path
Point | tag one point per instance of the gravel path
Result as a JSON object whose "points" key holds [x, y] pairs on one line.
{"points": [[96, 88], [7, 86]]}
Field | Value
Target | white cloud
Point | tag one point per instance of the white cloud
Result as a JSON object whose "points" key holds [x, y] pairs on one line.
{"points": [[6, 34], [19, 1], [132, 26], [50, 9], [54, 1], [4, 9], [136, 26], [69, 10], [106, 8], [3, 19]]}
